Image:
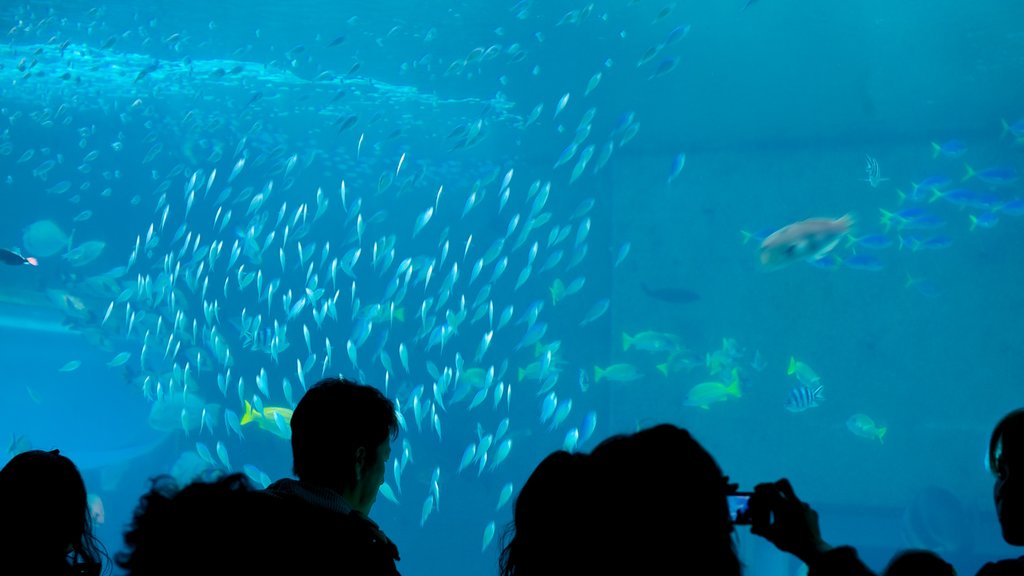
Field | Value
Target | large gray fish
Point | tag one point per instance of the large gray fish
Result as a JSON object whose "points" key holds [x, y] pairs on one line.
{"points": [[810, 239]]}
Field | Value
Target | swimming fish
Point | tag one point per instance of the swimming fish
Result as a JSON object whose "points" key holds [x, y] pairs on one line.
{"points": [[671, 295], [14, 259], [706, 393], [621, 372], [803, 397], [809, 240], [864, 426], [949, 149], [96, 508], [71, 366], [804, 373], [273, 419]]}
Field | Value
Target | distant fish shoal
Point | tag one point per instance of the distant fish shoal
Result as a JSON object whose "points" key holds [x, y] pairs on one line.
{"points": [[674, 295]]}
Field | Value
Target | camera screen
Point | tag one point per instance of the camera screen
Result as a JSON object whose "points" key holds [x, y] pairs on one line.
{"points": [[738, 507]]}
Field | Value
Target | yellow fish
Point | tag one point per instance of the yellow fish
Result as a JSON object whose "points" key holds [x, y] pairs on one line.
{"points": [[707, 393], [617, 372], [862, 425], [652, 341], [276, 420]]}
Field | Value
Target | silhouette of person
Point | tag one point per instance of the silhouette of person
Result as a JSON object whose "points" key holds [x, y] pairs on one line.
{"points": [[341, 441], [551, 520], [677, 508], [47, 524], [1006, 462], [918, 563], [216, 524], [569, 514], [777, 515]]}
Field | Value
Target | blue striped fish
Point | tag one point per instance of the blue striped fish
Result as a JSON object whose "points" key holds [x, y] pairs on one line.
{"points": [[802, 397]]}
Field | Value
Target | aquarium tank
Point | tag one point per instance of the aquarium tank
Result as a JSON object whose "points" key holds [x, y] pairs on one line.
{"points": [[791, 227]]}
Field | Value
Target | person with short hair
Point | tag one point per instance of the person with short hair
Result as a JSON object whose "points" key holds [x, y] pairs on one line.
{"points": [[1006, 462], [341, 441]]}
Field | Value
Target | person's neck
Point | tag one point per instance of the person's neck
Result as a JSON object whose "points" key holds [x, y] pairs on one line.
{"points": [[351, 496]]}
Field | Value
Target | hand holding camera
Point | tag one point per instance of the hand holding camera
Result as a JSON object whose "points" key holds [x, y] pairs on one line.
{"points": [[776, 514]]}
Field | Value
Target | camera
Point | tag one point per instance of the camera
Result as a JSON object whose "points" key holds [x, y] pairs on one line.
{"points": [[738, 512]]}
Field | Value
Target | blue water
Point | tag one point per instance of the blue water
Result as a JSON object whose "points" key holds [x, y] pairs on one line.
{"points": [[128, 108]]}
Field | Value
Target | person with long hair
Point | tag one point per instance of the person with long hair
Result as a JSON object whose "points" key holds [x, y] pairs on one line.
{"points": [[47, 527]]}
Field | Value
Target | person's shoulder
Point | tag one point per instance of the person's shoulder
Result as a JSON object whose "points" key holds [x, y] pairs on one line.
{"points": [[280, 486], [1011, 567]]}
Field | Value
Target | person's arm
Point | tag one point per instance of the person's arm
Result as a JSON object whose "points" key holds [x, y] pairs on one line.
{"points": [[790, 524]]}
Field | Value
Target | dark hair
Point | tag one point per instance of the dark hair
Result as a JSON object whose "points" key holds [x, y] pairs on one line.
{"points": [[680, 509], [549, 524], [46, 509], [917, 563], [208, 525], [333, 419], [1009, 431]]}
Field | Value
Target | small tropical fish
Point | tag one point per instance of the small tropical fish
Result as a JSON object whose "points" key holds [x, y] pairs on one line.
{"points": [[804, 373], [650, 54], [83, 216], [949, 149], [596, 311], [993, 176], [810, 239], [14, 259], [672, 295], [862, 425], [428, 507], [96, 509], [617, 372], [677, 362], [1013, 207], [623, 252], [929, 243], [870, 241], [70, 366], [677, 34], [504, 496], [488, 535], [866, 262], [984, 220], [85, 253], [874, 172], [651, 341], [120, 359], [758, 236], [583, 380], [758, 362], [706, 393], [666, 65], [468, 457], [19, 443], [677, 166], [1016, 129], [273, 419], [561, 104], [802, 398]]}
